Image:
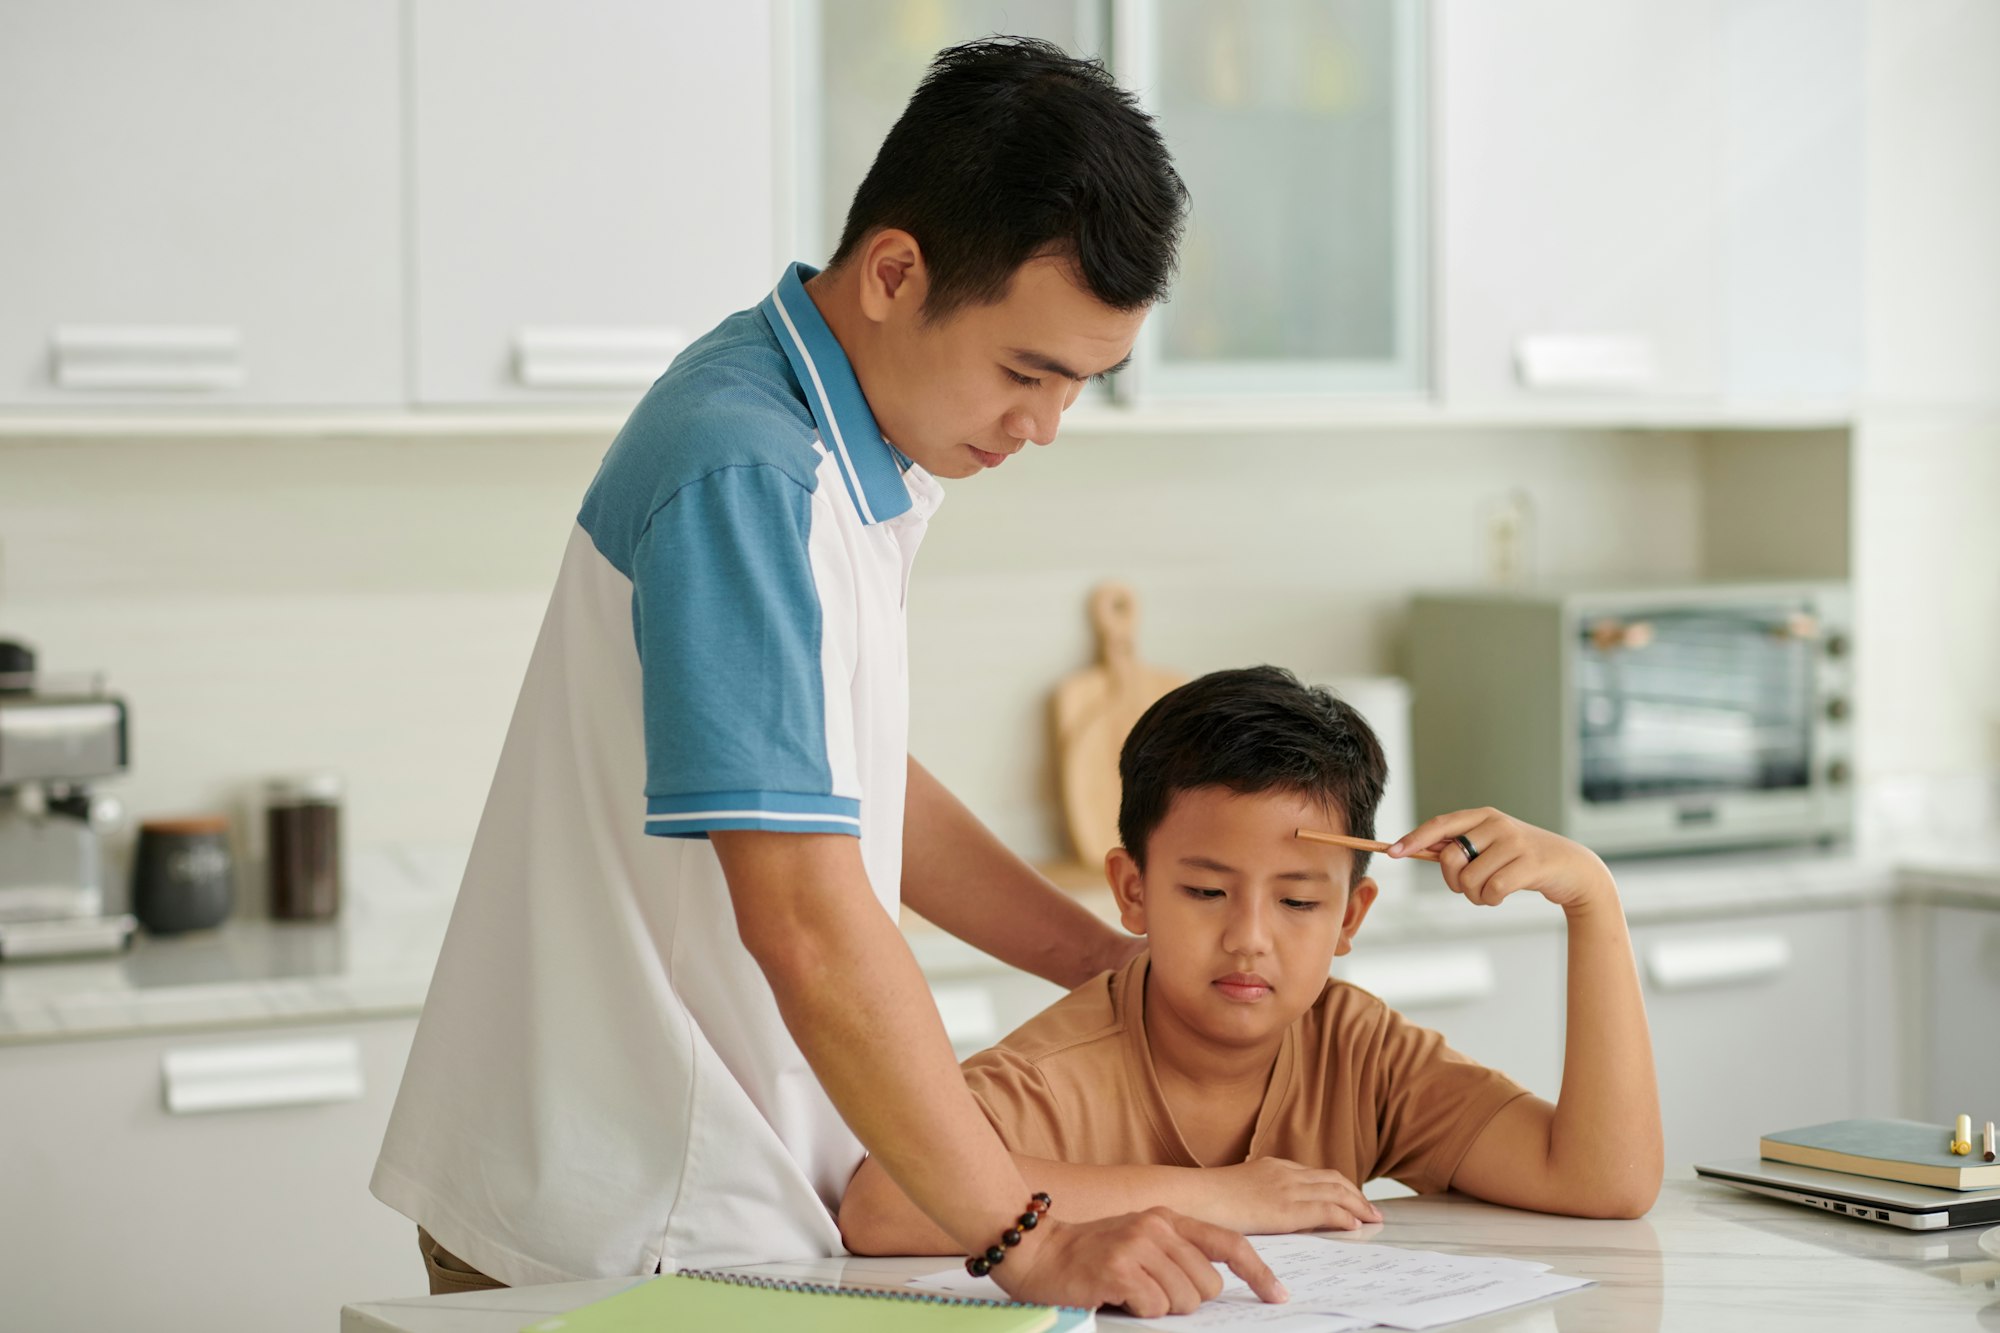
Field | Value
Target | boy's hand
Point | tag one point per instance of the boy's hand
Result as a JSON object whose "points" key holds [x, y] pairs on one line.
{"points": [[1269, 1194], [1153, 1263], [1510, 857]]}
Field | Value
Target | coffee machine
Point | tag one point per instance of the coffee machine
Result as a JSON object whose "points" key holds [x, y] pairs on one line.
{"points": [[56, 738]]}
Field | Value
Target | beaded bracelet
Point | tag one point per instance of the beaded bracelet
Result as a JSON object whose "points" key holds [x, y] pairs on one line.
{"points": [[979, 1265]]}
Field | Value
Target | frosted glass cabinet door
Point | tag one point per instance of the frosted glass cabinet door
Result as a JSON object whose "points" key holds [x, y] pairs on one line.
{"points": [[859, 61], [203, 203], [1297, 127], [594, 189]]}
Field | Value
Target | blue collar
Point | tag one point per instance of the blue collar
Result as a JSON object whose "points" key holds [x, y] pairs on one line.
{"points": [[870, 465]]}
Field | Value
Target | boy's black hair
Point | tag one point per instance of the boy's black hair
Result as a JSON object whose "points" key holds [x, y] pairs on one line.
{"points": [[1011, 149], [1250, 730]]}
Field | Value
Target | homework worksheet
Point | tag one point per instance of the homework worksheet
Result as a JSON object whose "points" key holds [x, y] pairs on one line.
{"points": [[1341, 1285]]}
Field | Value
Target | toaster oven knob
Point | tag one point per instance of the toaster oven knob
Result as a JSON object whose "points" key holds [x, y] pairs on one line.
{"points": [[1837, 708], [1837, 773]]}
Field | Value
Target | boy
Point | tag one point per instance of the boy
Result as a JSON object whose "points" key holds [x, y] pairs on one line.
{"points": [[1226, 1046]]}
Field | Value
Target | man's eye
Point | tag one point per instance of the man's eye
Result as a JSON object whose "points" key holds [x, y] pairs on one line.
{"points": [[1027, 381], [1204, 894]]}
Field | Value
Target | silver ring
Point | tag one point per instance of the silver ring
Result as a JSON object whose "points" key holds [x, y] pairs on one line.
{"points": [[1465, 845]]}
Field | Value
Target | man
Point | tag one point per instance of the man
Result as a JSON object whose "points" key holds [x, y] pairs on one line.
{"points": [[669, 1050]]}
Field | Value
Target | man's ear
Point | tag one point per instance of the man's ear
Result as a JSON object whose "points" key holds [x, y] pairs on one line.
{"points": [[1128, 886], [893, 278], [1359, 899]]}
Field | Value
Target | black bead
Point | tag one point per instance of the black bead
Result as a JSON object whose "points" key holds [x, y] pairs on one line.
{"points": [[995, 1255], [978, 1267], [1011, 1236], [1029, 1221], [1043, 1199]]}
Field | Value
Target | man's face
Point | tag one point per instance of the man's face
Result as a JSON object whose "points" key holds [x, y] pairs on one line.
{"points": [[1243, 918], [964, 393]]}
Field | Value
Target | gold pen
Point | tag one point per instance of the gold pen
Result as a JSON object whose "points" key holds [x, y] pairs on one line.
{"points": [[1961, 1137]]}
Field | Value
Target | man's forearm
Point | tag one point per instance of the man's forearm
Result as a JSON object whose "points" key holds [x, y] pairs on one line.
{"points": [[960, 877], [1605, 1134], [852, 997], [878, 1218]]}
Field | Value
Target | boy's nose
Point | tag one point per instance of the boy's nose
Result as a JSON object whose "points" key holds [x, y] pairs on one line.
{"points": [[1248, 932]]}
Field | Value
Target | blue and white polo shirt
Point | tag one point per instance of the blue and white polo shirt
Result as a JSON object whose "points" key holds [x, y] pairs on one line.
{"points": [[601, 1082]]}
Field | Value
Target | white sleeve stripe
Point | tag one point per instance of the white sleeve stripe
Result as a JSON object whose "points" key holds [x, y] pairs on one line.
{"points": [[839, 444], [790, 817]]}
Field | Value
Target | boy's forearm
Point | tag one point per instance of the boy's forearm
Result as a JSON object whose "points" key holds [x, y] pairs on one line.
{"points": [[960, 877], [1605, 1138], [876, 1217]]}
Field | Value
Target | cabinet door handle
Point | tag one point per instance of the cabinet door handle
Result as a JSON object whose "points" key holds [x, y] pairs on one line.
{"points": [[1592, 362], [183, 358], [1444, 976], [1730, 961], [593, 358], [278, 1073]]}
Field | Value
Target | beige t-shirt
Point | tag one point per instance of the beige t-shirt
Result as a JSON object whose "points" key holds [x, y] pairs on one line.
{"points": [[1356, 1087]]}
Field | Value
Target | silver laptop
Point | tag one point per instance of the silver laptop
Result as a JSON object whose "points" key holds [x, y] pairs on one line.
{"points": [[1917, 1207]]}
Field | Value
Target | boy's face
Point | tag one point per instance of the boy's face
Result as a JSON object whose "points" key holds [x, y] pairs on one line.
{"points": [[1243, 918], [966, 392]]}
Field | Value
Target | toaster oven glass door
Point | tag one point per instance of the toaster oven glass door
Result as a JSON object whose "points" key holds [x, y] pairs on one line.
{"points": [[1696, 700]]}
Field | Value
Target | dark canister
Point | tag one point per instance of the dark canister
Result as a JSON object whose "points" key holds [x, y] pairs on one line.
{"points": [[302, 824], [183, 877]]}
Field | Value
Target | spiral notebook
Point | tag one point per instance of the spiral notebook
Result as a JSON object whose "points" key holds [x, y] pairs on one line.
{"points": [[697, 1300]]}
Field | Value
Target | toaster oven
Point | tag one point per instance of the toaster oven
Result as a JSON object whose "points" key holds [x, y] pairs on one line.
{"points": [[1639, 720]]}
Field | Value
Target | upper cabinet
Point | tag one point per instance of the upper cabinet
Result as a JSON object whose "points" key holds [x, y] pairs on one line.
{"points": [[593, 189], [204, 203], [1647, 202], [1298, 126]]}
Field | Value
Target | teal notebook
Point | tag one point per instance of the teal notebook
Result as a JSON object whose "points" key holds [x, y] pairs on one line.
{"points": [[696, 1300], [1912, 1151]]}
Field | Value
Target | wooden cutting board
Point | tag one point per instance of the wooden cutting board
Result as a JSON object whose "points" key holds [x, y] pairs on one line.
{"points": [[1094, 712]]}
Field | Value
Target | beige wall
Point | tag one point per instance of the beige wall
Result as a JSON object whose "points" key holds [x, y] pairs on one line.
{"points": [[369, 605]]}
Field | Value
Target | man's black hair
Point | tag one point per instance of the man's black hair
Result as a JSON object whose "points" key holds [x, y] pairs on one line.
{"points": [[1250, 730], [1012, 149]]}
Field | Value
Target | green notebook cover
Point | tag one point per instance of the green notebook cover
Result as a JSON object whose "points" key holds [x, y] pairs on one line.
{"points": [[696, 1301], [1915, 1152]]}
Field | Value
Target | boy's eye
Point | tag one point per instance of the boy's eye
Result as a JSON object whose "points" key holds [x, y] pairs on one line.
{"points": [[1206, 895], [1300, 904], [1027, 381]]}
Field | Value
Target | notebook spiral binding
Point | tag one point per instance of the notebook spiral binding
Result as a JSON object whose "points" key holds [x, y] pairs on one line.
{"points": [[876, 1293]]}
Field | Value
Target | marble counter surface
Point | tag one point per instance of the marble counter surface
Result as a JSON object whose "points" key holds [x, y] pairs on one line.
{"points": [[377, 958], [1707, 1258]]}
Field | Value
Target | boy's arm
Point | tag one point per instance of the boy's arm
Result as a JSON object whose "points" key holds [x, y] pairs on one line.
{"points": [[960, 877], [1598, 1151], [1263, 1196]]}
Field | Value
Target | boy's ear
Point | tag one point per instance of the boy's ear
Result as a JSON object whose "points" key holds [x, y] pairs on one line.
{"points": [[1128, 886], [1359, 899]]}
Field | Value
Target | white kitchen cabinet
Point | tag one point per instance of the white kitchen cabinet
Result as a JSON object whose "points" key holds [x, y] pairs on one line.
{"points": [[213, 1182], [1754, 1023], [594, 188], [204, 203], [1958, 981], [1495, 998], [1649, 202]]}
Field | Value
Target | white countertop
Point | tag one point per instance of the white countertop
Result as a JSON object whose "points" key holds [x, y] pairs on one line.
{"points": [[377, 958], [1707, 1258]]}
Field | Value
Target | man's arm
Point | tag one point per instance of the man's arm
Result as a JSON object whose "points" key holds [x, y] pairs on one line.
{"points": [[852, 997], [1264, 1196], [961, 878], [1598, 1151]]}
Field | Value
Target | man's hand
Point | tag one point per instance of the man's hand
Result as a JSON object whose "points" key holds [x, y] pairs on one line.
{"points": [[1270, 1194], [1512, 857], [1153, 1263]]}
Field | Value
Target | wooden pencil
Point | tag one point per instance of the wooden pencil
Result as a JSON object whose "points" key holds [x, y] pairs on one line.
{"points": [[1357, 844]]}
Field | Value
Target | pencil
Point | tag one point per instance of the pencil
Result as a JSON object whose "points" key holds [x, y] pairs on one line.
{"points": [[1989, 1140], [1356, 844]]}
